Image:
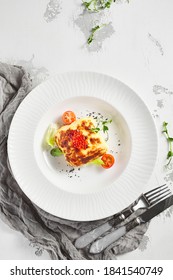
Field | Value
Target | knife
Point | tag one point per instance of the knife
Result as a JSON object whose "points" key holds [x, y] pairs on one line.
{"points": [[99, 245], [89, 237]]}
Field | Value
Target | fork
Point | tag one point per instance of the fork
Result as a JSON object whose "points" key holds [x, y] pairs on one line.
{"points": [[144, 201]]}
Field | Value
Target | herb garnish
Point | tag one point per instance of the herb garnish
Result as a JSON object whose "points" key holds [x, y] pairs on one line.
{"points": [[95, 129], [93, 30], [102, 126], [170, 140], [105, 123]]}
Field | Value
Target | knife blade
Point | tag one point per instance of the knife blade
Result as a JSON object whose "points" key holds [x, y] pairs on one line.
{"points": [[99, 245]]}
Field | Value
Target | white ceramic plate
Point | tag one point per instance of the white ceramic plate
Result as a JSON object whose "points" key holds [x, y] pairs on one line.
{"points": [[92, 192]]}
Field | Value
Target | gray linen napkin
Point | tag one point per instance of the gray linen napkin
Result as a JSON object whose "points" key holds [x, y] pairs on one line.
{"points": [[43, 230]]}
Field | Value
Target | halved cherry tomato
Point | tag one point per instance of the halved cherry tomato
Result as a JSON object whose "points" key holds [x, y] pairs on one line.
{"points": [[68, 117], [108, 160]]}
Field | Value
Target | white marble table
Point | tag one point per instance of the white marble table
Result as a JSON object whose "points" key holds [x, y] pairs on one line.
{"points": [[49, 37]]}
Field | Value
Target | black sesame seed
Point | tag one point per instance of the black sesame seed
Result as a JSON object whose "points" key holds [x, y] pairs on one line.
{"points": [[71, 170]]}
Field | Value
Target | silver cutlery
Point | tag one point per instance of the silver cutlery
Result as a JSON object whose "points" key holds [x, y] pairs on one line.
{"points": [[99, 245], [144, 201]]}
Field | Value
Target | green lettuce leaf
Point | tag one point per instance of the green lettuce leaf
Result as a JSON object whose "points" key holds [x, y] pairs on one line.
{"points": [[97, 161], [49, 139]]}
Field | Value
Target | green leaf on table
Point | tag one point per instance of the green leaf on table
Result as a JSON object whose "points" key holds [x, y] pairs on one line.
{"points": [[170, 139], [164, 127], [108, 4], [170, 154], [93, 30], [97, 5]]}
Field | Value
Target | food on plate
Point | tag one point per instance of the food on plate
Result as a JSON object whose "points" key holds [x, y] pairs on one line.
{"points": [[108, 161], [80, 141], [68, 117], [49, 139], [56, 152]]}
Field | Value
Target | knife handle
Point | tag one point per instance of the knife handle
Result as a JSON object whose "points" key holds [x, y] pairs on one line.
{"points": [[89, 237], [99, 245]]}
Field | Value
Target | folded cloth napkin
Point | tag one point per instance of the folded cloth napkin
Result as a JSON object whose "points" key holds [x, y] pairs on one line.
{"points": [[44, 231]]}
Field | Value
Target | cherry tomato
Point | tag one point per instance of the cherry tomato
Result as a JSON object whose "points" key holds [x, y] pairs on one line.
{"points": [[108, 160], [68, 117]]}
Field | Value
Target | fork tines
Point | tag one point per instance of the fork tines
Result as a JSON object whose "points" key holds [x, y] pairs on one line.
{"points": [[158, 194]]}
